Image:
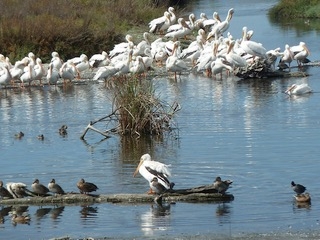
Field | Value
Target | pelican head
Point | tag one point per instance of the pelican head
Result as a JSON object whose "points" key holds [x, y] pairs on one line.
{"points": [[290, 89], [230, 13], [144, 157]]}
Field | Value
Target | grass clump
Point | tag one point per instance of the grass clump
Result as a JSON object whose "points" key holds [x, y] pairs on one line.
{"points": [[139, 110]]}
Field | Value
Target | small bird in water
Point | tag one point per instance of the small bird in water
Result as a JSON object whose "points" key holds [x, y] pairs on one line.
{"points": [[54, 187], [19, 135], [157, 187], [63, 130], [86, 187], [298, 188], [303, 198], [38, 188], [221, 186], [41, 137], [20, 219]]}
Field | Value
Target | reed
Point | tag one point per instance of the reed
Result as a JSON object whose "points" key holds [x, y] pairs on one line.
{"points": [[296, 8], [139, 110]]}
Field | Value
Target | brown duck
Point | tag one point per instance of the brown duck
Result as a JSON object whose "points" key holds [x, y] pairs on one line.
{"points": [[39, 189], [4, 193], [156, 186], [221, 186], [20, 219], [54, 187], [86, 187]]}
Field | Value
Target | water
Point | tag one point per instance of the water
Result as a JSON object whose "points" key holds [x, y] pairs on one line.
{"points": [[248, 131]]}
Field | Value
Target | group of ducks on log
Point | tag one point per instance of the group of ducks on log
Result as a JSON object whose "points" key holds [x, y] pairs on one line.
{"points": [[20, 190], [214, 52]]}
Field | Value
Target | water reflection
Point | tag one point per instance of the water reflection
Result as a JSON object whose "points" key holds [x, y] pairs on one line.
{"points": [[156, 219], [88, 211]]}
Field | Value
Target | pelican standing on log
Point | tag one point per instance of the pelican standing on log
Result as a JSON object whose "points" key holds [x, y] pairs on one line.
{"points": [[150, 169]]}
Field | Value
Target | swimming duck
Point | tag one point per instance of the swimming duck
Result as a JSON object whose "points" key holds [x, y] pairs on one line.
{"points": [[221, 186], [298, 188], [86, 187], [19, 135], [4, 193], [20, 219], [54, 187], [41, 137], [157, 187], [303, 198], [39, 189], [63, 130]]}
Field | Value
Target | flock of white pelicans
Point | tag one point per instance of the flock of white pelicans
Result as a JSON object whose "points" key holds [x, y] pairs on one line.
{"points": [[213, 52]]}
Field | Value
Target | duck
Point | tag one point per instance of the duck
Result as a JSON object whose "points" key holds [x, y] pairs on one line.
{"points": [[157, 187], [303, 198], [38, 188], [19, 135], [4, 193], [149, 169], [86, 187], [63, 130], [221, 186], [54, 187], [298, 188], [40, 137], [299, 89], [20, 219]]}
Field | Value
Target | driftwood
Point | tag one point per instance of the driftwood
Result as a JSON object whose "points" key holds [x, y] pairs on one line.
{"points": [[195, 195]]}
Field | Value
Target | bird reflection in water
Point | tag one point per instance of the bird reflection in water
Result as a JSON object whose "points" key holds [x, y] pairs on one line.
{"points": [[88, 211], [222, 210], [56, 212], [41, 212], [157, 218], [4, 211]]}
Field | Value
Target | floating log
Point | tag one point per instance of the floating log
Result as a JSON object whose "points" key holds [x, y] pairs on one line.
{"points": [[200, 194]]}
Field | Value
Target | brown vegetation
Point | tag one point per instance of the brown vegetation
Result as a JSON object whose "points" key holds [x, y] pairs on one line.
{"points": [[68, 27]]}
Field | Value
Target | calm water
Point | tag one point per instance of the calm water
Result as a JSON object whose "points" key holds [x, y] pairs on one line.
{"points": [[248, 131]]}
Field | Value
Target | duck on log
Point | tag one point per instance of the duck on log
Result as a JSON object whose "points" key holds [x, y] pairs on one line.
{"points": [[205, 193]]}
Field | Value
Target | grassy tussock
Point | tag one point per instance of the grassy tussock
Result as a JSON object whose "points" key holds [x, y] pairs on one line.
{"points": [[140, 112], [69, 27], [296, 8]]}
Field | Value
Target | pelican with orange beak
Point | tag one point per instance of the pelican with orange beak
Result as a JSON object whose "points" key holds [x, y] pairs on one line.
{"points": [[298, 89], [150, 169]]}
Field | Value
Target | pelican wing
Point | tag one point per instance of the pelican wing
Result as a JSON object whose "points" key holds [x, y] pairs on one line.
{"points": [[159, 175]]}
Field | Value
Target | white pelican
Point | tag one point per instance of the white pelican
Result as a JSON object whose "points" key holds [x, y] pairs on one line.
{"points": [[140, 48], [161, 26], [287, 56], [122, 47], [150, 169], [193, 51], [208, 23], [301, 52], [99, 60], [298, 89], [223, 26], [17, 189], [206, 57], [105, 72], [199, 22], [138, 66], [124, 64], [174, 64], [233, 58], [147, 59], [28, 75], [68, 71], [184, 30], [56, 60], [218, 65], [52, 75], [5, 76], [272, 56], [250, 47], [39, 70], [83, 64]]}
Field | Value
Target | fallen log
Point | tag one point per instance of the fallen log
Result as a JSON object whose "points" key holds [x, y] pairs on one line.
{"points": [[200, 194]]}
